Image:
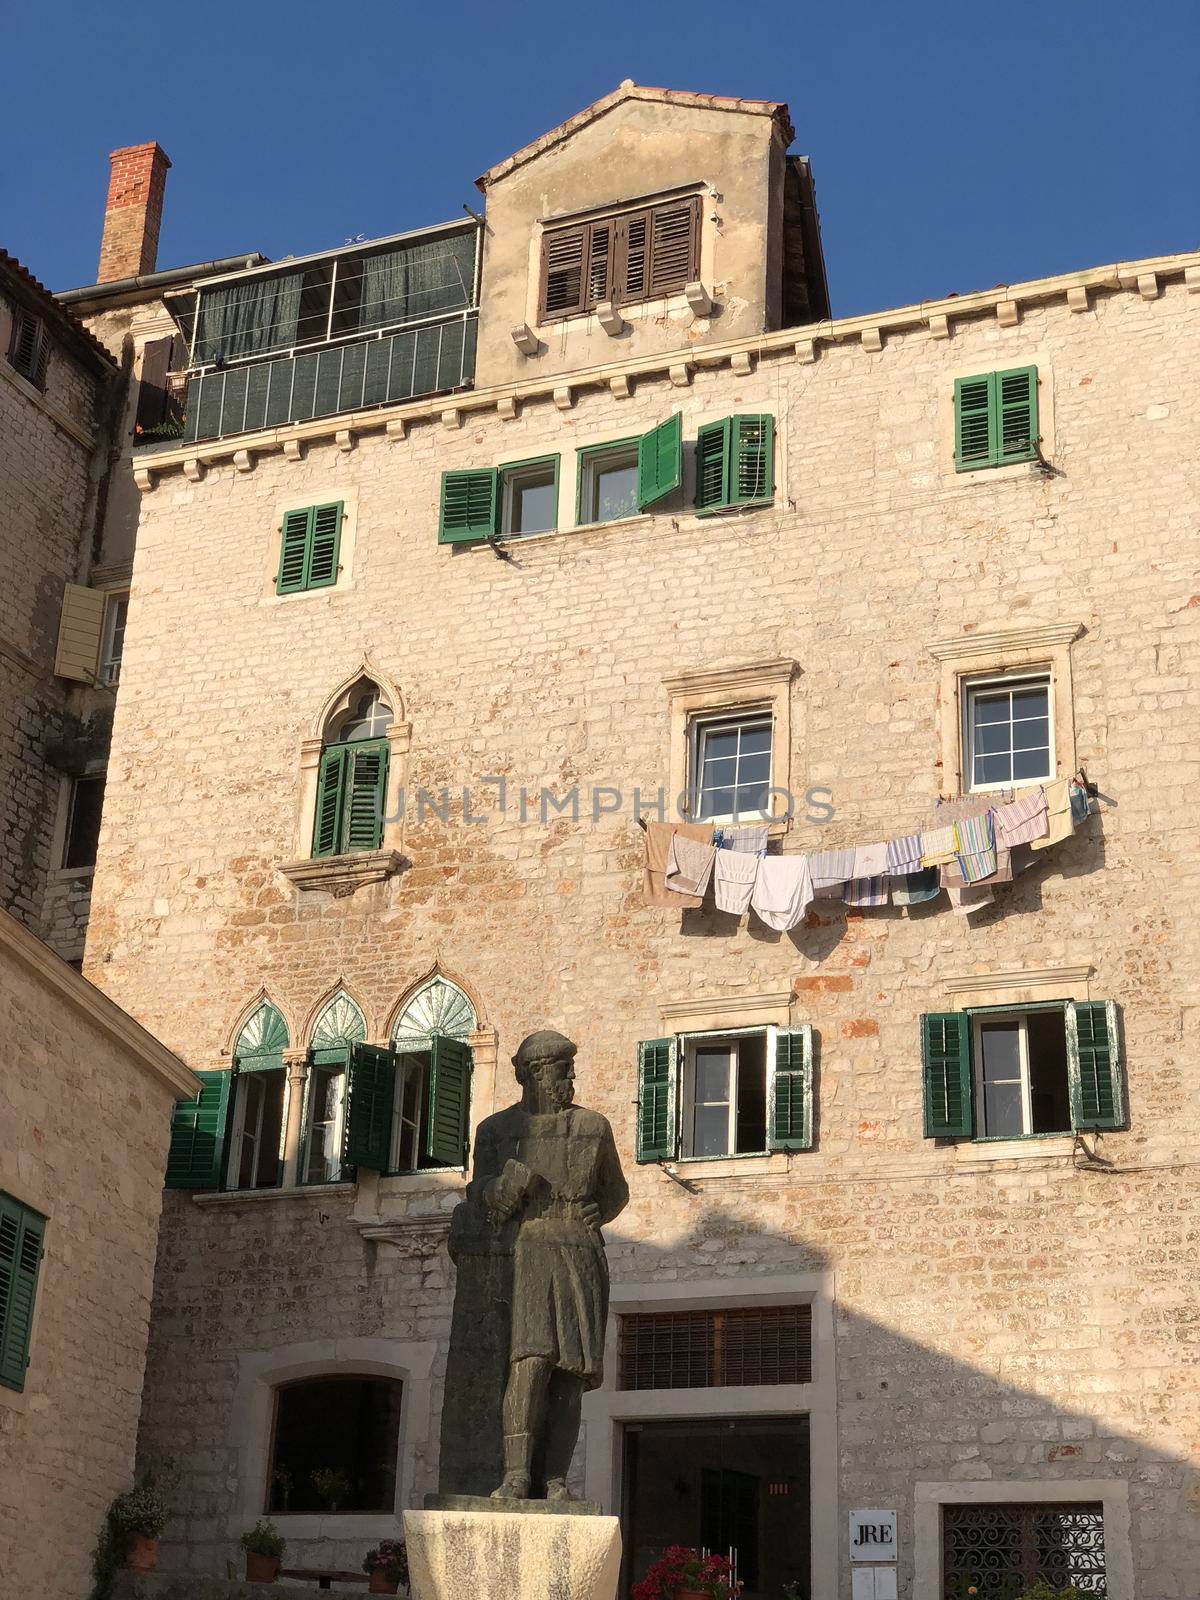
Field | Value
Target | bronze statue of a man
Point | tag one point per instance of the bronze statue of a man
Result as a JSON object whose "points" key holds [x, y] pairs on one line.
{"points": [[547, 1177]]}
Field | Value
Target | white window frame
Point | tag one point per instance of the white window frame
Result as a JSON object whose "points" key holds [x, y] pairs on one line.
{"points": [[337, 1122], [408, 1060], [517, 476], [113, 601], [237, 1129], [598, 456], [698, 728], [1040, 677], [1019, 1015], [686, 1054]]}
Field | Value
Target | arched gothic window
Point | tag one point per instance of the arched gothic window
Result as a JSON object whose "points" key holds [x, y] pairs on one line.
{"points": [[257, 1119], [352, 779], [433, 1078], [339, 1027]]}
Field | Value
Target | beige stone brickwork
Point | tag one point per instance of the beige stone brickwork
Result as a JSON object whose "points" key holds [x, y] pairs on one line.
{"points": [[1008, 1314], [85, 1096]]}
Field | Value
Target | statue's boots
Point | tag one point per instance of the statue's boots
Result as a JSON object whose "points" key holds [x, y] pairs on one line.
{"points": [[518, 1461], [556, 1489]]}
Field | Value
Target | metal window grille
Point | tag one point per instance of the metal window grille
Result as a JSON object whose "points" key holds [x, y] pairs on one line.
{"points": [[997, 1551], [713, 1349]]}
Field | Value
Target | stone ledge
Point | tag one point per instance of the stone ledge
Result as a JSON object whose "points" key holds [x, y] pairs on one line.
{"points": [[342, 875], [190, 1586]]}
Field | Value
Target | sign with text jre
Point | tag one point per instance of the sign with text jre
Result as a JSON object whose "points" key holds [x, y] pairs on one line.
{"points": [[872, 1536]]}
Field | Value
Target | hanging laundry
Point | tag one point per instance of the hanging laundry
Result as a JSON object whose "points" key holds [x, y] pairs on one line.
{"points": [[734, 872], [866, 891], [753, 840], [1081, 805], [1060, 824], [951, 875], [975, 898], [658, 843], [689, 866], [870, 860], [969, 805], [975, 843], [938, 846], [829, 867], [916, 888], [904, 855], [782, 891], [1022, 820]]}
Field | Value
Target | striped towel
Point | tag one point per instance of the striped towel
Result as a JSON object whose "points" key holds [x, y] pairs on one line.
{"points": [[828, 867], [867, 892], [751, 840], [1023, 820], [938, 846], [904, 855], [975, 847]]}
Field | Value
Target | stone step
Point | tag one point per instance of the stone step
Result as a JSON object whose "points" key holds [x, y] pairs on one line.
{"points": [[189, 1586]]}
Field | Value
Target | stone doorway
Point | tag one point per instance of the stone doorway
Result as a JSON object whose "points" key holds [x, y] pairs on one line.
{"points": [[737, 1486]]}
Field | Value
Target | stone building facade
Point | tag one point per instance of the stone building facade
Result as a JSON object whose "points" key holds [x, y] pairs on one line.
{"points": [[987, 1333]]}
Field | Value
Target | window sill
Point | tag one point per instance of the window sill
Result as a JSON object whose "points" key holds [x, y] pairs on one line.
{"points": [[254, 1197], [747, 1166], [342, 875], [366, 1526], [1029, 1147]]}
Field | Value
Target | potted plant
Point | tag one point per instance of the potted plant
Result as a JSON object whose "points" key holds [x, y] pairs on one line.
{"points": [[264, 1545], [137, 1520], [683, 1574], [387, 1565], [333, 1486]]}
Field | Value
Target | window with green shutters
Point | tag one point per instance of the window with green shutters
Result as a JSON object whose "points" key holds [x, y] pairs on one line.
{"points": [[747, 1091], [468, 507], [735, 463], [996, 419], [308, 549], [369, 1113], [999, 1072], [196, 1156], [432, 1105], [660, 462], [351, 793], [22, 1233]]}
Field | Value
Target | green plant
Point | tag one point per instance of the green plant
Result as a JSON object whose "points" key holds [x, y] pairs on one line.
{"points": [[141, 1509], [1013, 1588], [332, 1484], [795, 1590], [281, 1478], [681, 1568], [392, 1556], [264, 1539]]}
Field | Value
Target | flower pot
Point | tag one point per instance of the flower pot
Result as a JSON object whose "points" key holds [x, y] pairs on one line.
{"points": [[260, 1568], [380, 1582], [691, 1594], [142, 1552]]}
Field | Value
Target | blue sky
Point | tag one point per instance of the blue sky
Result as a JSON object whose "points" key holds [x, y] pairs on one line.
{"points": [[952, 150]]}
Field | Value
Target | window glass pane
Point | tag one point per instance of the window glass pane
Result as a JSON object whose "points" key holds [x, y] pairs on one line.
{"points": [[993, 769], [751, 1125], [991, 708], [712, 1076], [720, 742], [751, 799], [992, 737], [322, 1162], [1033, 733], [1029, 764], [610, 484], [711, 1136], [532, 501], [1030, 703], [715, 803], [733, 769], [335, 1445], [83, 823], [755, 769], [719, 772], [1000, 1044], [368, 718], [115, 613], [711, 1079], [1049, 1099]]}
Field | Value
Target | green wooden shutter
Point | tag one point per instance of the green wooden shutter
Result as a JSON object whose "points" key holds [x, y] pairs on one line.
{"points": [[660, 461], [366, 789], [973, 430], [21, 1235], [656, 1100], [949, 1099], [293, 551], [368, 1136], [752, 459], [331, 794], [468, 511], [789, 1105], [712, 466], [1094, 1064], [1015, 407], [323, 544], [198, 1135], [449, 1096]]}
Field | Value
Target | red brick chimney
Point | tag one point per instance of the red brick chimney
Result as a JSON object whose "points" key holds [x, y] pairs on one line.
{"points": [[133, 212]]}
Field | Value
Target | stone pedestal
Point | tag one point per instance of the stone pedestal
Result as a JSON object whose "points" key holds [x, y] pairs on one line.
{"points": [[502, 1555]]}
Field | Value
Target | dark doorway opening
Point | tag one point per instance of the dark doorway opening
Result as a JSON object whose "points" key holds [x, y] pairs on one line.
{"points": [[737, 1487]]}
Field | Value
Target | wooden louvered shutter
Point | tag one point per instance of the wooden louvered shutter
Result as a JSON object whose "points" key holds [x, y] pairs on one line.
{"points": [[293, 551], [563, 253], [790, 1091], [1094, 1065], [468, 510], [632, 274], [660, 461], [752, 453], [449, 1095], [29, 351], [368, 1137], [599, 263], [21, 1235], [674, 233], [152, 385], [972, 422], [656, 1100], [366, 788], [946, 1057], [80, 633], [1015, 408], [712, 466], [198, 1135], [324, 540], [331, 793]]}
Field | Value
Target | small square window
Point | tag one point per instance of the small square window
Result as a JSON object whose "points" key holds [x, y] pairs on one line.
{"points": [[529, 497], [994, 1551], [113, 647], [1020, 1064], [725, 1096], [1007, 733], [608, 483], [83, 822], [731, 767]]}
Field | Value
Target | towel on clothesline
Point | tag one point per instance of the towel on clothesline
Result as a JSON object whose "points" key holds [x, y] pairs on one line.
{"points": [[904, 855], [870, 860], [1060, 824], [689, 866], [658, 843], [975, 847], [938, 846], [753, 840], [782, 891], [829, 867], [916, 888], [970, 899], [1023, 820], [734, 872], [866, 891]]}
